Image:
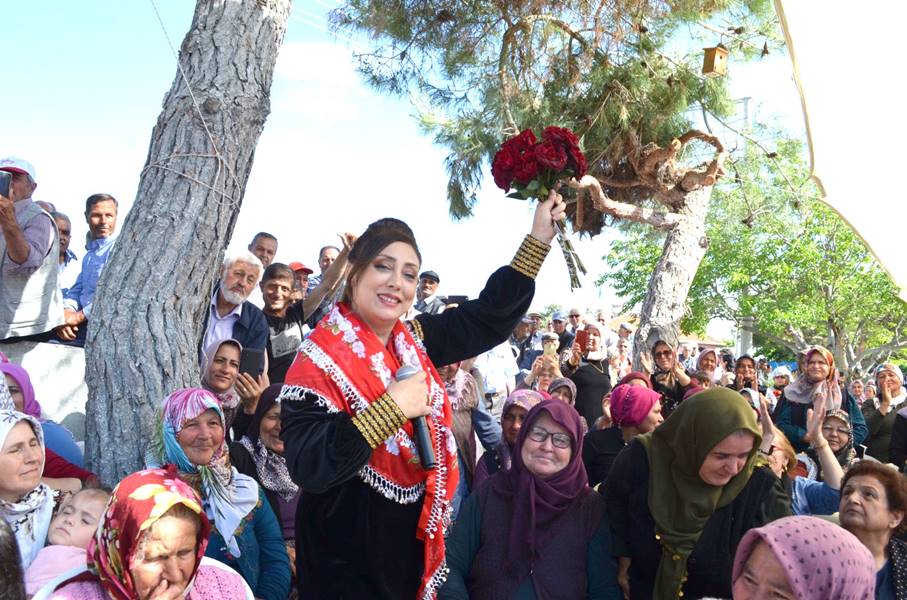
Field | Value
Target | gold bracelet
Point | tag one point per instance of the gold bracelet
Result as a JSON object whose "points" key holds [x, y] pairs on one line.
{"points": [[529, 256], [381, 419], [365, 429], [416, 328], [396, 414], [817, 448]]}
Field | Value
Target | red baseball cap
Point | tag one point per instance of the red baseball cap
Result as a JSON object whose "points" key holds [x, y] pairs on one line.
{"points": [[298, 266]]}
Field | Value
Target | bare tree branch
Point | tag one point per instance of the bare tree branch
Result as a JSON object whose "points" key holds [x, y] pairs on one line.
{"points": [[623, 210]]}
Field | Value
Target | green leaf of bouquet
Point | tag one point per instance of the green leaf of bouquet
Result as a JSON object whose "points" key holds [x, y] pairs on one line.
{"points": [[516, 195], [533, 185]]}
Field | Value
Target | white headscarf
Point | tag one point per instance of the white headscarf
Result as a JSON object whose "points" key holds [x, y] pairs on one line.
{"points": [[718, 372], [29, 517]]}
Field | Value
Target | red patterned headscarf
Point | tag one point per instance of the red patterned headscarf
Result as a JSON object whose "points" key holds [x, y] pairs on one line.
{"points": [[346, 364], [134, 506]]}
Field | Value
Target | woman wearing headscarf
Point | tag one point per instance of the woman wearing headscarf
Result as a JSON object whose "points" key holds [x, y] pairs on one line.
{"points": [[808, 496], [259, 455], [59, 473], [513, 414], [537, 530], [238, 392], [873, 508], [22, 392], [707, 361], [670, 378], [817, 383], [802, 558], [634, 410], [681, 497], [372, 516], [470, 420], [25, 503], [855, 387], [781, 377], [150, 544], [838, 433], [881, 417], [245, 533], [588, 368]]}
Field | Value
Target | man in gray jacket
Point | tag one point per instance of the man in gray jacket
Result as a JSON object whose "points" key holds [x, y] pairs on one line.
{"points": [[30, 299]]}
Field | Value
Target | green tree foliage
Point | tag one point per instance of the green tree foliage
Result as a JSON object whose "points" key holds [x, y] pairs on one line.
{"points": [[780, 255], [481, 70]]}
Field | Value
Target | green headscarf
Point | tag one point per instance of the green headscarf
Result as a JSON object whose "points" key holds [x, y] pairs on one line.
{"points": [[679, 500]]}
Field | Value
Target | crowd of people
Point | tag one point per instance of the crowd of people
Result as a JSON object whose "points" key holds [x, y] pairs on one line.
{"points": [[356, 434]]}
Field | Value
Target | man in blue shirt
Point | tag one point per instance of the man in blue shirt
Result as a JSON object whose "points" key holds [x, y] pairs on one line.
{"points": [[101, 216]]}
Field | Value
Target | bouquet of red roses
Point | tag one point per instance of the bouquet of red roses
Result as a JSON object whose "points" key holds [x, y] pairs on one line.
{"points": [[532, 168]]}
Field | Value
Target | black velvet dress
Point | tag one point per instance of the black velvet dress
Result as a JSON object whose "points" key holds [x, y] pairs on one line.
{"points": [[351, 541]]}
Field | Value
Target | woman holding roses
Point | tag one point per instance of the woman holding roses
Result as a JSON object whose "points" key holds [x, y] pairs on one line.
{"points": [[371, 519]]}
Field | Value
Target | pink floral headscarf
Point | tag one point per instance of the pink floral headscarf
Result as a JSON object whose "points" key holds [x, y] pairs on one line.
{"points": [[135, 505]]}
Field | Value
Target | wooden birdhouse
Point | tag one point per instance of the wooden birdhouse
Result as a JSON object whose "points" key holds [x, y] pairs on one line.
{"points": [[714, 63]]}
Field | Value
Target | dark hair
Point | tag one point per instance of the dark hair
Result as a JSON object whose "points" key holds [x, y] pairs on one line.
{"points": [[701, 376], [12, 582], [264, 234], [58, 215], [745, 357], [278, 271], [378, 236], [895, 485], [96, 198], [323, 248]]}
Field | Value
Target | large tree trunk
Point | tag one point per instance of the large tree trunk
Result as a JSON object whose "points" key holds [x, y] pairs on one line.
{"points": [[669, 285], [146, 321]]}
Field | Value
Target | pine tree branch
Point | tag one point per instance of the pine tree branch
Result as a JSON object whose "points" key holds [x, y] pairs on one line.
{"points": [[525, 24]]}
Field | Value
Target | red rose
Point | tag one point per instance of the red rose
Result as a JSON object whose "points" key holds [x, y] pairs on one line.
{"points": [[527, 169], [551, 155], [566, 139], [576, 162], [515, 160], [502, 168], [559, 134], [520, 143]]}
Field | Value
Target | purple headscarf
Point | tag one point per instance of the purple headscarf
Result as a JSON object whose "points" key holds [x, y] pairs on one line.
{"points": [[631, 403], [559, 382], [822, 560], [538, 502], [30, 406]]}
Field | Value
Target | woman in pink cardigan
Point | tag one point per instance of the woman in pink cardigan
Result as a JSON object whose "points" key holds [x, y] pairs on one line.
{"points": [[150, 544]]}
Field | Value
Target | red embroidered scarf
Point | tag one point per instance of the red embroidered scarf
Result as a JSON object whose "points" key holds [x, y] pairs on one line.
{"points": [[347, 366]]}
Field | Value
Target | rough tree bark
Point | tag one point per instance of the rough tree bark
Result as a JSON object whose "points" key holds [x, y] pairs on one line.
{"points": [[146, 321], [666, 297], [686, 193]]}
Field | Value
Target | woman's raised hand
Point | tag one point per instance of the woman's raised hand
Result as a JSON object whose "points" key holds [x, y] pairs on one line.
{"points": [[765, 422], [814, 419], [411, 395], [546, 213], [249, 389]]}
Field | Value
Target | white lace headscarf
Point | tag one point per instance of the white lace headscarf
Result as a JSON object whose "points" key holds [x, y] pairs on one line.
{"points": [[29, 516]]}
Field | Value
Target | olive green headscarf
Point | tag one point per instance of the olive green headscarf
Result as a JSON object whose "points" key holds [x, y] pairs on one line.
{"points": [[679, 500]]}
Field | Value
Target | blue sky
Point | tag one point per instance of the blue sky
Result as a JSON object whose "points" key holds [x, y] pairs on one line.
{"points": [[85, 85]]}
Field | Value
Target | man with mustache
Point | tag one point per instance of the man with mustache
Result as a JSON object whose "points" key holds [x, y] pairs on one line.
{"points": [[101, 216], [230, 314]]}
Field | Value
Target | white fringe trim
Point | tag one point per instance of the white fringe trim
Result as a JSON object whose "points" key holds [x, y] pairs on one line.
{"points": [[389, 489]]}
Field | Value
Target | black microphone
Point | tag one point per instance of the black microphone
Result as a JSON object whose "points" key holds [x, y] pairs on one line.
{"points": [[420, 427]]}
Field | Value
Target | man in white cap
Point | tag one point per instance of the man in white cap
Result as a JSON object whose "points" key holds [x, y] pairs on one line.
{"points": [[30, 299]]}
